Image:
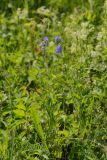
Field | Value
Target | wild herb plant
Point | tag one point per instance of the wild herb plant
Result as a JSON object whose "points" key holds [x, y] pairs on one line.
{"points": [[53, 91]]}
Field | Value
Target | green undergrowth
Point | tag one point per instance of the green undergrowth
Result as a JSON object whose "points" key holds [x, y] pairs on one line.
{"points": [[54, 107]]}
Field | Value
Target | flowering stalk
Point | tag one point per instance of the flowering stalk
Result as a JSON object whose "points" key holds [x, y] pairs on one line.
{"points": [[57, 39], [58, 49], [45, 44]]}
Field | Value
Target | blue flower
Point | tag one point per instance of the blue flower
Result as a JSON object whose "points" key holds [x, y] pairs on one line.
{"points": [[45, 39], [58, 49], [57, 39]]}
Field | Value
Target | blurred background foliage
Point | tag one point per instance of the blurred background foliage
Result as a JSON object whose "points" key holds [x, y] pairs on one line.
{"points": [[60, 5]]}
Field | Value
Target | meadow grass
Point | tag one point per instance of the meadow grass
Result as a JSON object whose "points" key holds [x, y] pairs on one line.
{"points": [[53, 80]]}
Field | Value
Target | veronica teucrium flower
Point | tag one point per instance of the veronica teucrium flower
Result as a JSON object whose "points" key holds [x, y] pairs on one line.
{"points": [[58, 49], [45, 39], [57, 39], [44, 44]]}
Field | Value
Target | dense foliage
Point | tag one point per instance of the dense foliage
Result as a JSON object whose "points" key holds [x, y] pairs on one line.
{"points": [[53, 90]]}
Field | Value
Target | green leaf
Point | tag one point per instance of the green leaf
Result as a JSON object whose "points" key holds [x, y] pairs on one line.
{"points": [[38, 126], [19, 112], [21, 106]]}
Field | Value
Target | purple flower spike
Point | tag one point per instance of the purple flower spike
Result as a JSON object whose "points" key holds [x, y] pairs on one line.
{"points": [[57, 39], [58, 49], [45, 39]]}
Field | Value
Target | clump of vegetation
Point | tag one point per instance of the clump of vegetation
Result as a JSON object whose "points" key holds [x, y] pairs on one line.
{"points": [[53, 91]]}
